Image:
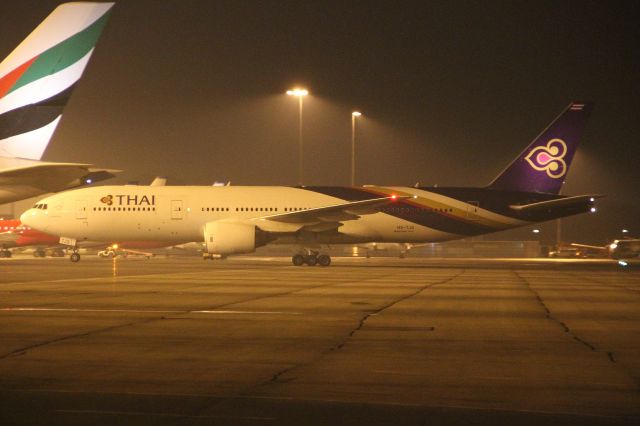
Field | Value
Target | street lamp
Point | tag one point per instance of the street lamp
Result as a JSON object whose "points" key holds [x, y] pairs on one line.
{"points": [[354, 115], [299, 93]]}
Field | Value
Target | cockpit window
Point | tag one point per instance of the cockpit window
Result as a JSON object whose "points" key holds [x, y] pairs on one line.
{"points": [[41, 206]]}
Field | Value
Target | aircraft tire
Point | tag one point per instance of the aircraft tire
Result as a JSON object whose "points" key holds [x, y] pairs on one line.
{"points": [[297, 260], [324, 260], [75, 257], [312, 260]]}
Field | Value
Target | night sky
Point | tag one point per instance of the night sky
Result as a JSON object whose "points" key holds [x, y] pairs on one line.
{"points": [[451, 92]]}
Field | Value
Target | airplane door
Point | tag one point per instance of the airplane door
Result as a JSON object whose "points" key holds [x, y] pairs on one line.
{"points": [[81, 209], [472, 210], [176, 209]]}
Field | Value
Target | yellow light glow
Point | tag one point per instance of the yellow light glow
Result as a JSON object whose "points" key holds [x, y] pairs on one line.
{"points": [[297, 92], [356, 113]]}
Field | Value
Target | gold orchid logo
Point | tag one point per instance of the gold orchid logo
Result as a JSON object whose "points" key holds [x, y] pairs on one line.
{"points": [[108, 200], [549, 158]]}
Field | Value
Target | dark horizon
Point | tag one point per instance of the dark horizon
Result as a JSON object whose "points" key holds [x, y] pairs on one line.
{"points": [[450, 92]]}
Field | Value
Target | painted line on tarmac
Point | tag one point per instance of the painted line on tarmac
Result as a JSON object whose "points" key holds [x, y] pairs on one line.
{"points": [[246, 312], [120, 279], [142, 311], [153, 414]]}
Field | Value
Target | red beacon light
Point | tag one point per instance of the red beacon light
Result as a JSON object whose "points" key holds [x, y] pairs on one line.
{"points": [[394, 197]]}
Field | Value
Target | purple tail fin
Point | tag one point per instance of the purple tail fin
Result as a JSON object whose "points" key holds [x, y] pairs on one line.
{"points": [[543, 165]]}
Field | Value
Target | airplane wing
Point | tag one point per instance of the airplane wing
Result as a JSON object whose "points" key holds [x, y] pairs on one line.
{"points": [[587, 246], [323, 218], [560, 202], [35, 178]]}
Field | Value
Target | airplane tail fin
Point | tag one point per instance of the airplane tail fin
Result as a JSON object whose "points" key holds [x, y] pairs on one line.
{"points": [[37, 78], [543, 165]]}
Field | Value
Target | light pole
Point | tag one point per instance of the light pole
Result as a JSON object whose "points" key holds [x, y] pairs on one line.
{"points": [[354, 115], [299, 93]]}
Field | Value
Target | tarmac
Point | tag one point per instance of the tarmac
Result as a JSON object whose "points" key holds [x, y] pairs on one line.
{"points": [[249, 341]]}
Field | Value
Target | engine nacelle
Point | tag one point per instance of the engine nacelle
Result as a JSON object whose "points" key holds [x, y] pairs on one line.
{"points": [[225, 238]]}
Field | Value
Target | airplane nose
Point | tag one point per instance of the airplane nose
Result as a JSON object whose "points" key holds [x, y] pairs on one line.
{"points": [[30, 218], [24, 217]]}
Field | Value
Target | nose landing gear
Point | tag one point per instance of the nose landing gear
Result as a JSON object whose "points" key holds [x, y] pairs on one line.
{"points": [[75, 256]]}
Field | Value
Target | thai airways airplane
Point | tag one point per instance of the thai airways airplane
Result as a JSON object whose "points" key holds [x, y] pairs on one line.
{"points": [[36, 81], [237, 219]]}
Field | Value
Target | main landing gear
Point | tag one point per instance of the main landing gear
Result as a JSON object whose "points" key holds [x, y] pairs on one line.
{"points": [[5, 253], [311, 258], [49, 252]]}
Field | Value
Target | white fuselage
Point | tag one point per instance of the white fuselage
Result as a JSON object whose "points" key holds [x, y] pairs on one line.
{"points": [[179, 214]]}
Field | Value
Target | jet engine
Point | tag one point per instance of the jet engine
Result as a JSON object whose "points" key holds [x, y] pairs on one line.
{"points": [[224, 238]]}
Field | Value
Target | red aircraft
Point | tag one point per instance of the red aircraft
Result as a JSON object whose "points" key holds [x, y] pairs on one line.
{"points": [[14, 233]]}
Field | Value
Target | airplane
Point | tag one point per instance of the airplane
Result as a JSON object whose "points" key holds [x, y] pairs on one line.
{"points": [[36, 81], [625, 248], [237, 219], [14, 234]]}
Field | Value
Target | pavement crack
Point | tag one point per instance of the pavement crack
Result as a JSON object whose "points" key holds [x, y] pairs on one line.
{"points": [[276, 378], [25, 349], [562, 324], [277, 375], [378, 311], [297, 290]]}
